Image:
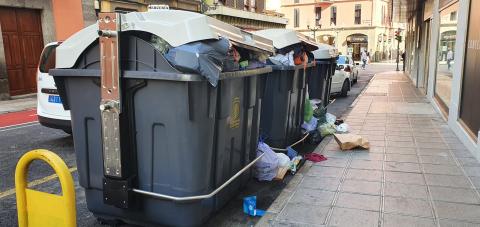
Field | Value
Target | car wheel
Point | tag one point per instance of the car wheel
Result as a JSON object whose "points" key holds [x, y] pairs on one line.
{"points": [[345, 88]]}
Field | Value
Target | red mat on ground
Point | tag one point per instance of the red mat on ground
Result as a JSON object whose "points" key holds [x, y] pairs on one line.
{"points": [[16, 118]]}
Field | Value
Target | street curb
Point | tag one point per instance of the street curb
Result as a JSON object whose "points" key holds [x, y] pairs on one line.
{"points": [[282, 199]]}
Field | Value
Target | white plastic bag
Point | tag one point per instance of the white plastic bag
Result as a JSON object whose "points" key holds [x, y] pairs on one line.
{"points": [[283, 160], [266, 167], [342, 128], [330, 118]]}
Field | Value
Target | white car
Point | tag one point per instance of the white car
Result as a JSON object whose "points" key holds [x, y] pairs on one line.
{"points": [[49, 104], [341, 83], [349, 66]]}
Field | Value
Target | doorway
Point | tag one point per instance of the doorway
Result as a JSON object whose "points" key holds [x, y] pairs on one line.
{"points": [[23, 44], [356, 44]]}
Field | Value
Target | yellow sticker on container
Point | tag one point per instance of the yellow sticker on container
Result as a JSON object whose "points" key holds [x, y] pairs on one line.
{"points": [[235, 114]]}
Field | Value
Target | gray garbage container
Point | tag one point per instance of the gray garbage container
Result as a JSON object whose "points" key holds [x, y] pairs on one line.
{"points": [[283, 105], [320, 77], [183, 141], [285, 91]]}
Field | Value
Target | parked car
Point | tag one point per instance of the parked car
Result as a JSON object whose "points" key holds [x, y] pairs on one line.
{"points": [[49, 104], [341, 82], [350, 66]]}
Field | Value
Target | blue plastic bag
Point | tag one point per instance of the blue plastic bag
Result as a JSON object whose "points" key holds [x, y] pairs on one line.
{"points": [[250, 206]]}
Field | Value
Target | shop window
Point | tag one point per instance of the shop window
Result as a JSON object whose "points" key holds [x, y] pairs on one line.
{"points": [[318, 15], [333, 15], [469, 105], [296, 18], [358, 14], [446, 57]]}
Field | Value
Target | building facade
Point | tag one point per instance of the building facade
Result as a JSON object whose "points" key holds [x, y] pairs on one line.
{"points": [[246, 14], [26, 26], [350, 25], [443, 49]]}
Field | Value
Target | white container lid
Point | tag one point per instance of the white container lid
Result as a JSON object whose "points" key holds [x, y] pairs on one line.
{"points": [[176, 27]]}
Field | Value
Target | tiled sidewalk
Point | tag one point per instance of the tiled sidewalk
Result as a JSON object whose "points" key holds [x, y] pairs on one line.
{"points": [[417, 173]]}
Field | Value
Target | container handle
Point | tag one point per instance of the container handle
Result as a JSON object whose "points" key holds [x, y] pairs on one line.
{"points": [[197, 197]]}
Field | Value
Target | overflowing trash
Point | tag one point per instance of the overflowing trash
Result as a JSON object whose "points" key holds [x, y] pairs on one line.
{"points": [[342, 128], [266, 168], [250, 207], [327, 129], [294, 163], [274, 165], [283, 160], [204, 57], [351, 141]]}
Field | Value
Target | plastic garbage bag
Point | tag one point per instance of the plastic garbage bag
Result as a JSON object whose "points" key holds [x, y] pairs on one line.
{"points": [[320, 114], [327, 129], [204, 57], [311, 125], [160, 44], [282, 59], [266, 167], [283, 160], [342, 128], [330, 118], [308, 110], [250, 206]]}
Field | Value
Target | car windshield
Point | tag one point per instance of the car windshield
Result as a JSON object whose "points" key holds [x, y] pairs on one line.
{"points": [[342, 60]]}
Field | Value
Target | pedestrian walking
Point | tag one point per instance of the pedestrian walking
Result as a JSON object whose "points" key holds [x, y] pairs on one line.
{"points": [[449, 58], [364, 58]]}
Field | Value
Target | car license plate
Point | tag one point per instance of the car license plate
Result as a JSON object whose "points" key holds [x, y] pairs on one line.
{"points": [[54, 99]]}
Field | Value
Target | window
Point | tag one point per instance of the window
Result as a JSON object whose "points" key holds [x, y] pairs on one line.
{"points": [[333, 15], [453, 16], [47, 59], [358, 14], [446, 57], [318, 15], [383, 15], [296, 1], [296, 18]]}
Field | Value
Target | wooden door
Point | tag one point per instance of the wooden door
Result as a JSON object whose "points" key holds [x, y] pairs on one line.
{"points": [[23, 44]]}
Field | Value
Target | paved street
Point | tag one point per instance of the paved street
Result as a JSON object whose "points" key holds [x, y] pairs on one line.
{"points": [[16, 140], [416, 173]]}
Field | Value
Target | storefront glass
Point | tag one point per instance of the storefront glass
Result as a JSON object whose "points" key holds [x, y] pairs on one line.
{"points": [[445, 55], [469, 106]]}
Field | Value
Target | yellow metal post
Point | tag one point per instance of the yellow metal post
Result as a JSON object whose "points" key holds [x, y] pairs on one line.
{"points": [[36, 208]]}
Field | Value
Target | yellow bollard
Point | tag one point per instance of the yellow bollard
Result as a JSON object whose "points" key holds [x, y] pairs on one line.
{"points": [[36, 208]]}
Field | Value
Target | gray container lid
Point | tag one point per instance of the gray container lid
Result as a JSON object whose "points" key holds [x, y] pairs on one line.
{"points": [[176, 27], [286, 37]]}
